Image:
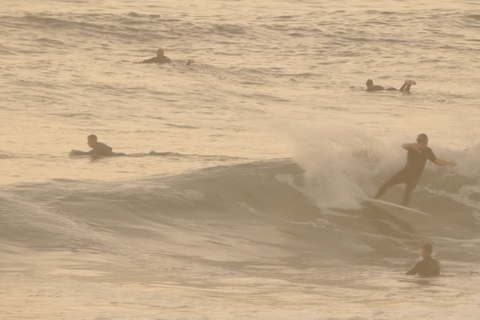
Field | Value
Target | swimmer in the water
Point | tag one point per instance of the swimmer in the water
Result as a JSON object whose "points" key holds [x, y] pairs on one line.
{"points": [[98, 148], [375, 87], [428, 267], [161, 58]]}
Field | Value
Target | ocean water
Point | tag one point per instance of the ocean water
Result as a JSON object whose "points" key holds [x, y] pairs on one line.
{"points": [[256, 212]]}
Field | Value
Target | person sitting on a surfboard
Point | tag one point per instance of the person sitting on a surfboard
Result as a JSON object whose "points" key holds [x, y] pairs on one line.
{"points": [[417, 156], [376, 87], [98, 148], [428, 267], [162, 58]]}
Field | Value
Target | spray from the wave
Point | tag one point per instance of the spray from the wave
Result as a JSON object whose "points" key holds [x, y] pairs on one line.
{"points": [[343, 165]]}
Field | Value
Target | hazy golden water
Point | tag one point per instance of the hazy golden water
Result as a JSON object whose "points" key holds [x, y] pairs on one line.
{"points": [[277, 93], [263, 70]]}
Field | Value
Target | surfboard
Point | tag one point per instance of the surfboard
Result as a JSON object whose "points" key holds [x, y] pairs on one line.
{"points": [[400, 212]]}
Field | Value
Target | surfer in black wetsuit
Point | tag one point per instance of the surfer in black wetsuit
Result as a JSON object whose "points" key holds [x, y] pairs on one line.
{"points": [[98, 148], [428, 267], [417, 156], [375, 87], [160, 58]]}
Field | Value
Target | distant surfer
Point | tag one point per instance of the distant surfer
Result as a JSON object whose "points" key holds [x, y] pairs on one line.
{"points": [[428, 267], [417, 156], [98, 148], [376, 87], [161, 58], [153, 153]]}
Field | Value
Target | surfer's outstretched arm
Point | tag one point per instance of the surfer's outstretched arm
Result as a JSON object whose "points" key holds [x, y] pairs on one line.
{"points": [[443, 163]]}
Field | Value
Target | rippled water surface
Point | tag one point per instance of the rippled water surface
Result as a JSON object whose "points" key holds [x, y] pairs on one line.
{"points": [[255, 213]]}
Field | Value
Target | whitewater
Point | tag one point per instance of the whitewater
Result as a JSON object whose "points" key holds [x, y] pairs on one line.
{"points": [[256, 211]]}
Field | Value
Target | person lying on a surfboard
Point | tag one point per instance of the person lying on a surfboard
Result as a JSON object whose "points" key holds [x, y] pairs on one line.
{"points": [[428, 267], [417, 156], [98, 148], [376, 87]]}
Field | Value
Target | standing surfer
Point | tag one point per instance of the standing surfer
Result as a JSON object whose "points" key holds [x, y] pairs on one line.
{"points": [[417, 156]]}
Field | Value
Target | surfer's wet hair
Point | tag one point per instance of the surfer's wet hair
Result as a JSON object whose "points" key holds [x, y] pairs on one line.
{"points": [[422, 137], [92, 136], [369, 83], [427, 248]]}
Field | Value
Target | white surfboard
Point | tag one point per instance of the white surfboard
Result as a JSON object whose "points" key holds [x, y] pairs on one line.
{"points": [[400, 212]]}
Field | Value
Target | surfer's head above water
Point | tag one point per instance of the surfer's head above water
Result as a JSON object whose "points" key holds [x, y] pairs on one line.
{"points": [[428, 267], [160, 53], [427, 250], [92, 140], [369, 83]]}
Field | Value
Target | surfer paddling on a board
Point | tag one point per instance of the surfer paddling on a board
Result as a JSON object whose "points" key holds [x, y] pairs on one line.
{"points": [[428, 267], [376, 87], [417, 156], [98, 148]]}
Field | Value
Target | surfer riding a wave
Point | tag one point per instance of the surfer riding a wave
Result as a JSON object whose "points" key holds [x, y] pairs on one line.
{"points": [[417, 156]]}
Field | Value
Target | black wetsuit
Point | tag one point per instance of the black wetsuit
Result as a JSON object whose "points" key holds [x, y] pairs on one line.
{"points": [[376, 87], [410, 174], [162, 59], [428, 267], [101, 149]]}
